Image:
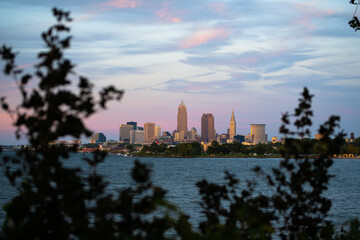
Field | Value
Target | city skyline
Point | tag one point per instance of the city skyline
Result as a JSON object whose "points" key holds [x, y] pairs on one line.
{"points": [[215, 56]]}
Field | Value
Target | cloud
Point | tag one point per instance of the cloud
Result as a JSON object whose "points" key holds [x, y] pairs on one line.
{"points": [[122, 3], [24, 66], [166, 14], [308, 13], [236, 82], [203, 36], [217, 7]]}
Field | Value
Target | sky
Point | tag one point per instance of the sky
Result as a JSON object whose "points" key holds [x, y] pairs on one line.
{"points": [[253, 57]]}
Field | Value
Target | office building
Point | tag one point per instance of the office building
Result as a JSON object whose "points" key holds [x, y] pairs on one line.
{"points": [[222, 138], [124, 132], [232, 129], [137, 137], [192, 134], [149, 129], [157, 132], [98, 138], [239, 138], [207, 127], [182, 118], [133, 124], [257, 133], [179, 136], [167, 134]]}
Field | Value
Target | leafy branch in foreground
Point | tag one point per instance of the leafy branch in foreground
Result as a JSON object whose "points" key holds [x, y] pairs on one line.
{"points": [[53, 201], [354, 22], [297, 209]]}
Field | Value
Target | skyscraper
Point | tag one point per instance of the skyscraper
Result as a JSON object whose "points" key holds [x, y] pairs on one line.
{"points": [[133, 124], [232, 130], [182, 118], [149, 129], [124, 132], [257, 133], [207, 127], [137, 137], [157, 132]]}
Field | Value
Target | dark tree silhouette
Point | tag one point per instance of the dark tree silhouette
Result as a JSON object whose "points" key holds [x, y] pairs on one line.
{"points": [[354, 22], [54, 202]]}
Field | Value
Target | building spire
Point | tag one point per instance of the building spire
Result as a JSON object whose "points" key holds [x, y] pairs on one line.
{"points": [[232, 129], [182, 103]]}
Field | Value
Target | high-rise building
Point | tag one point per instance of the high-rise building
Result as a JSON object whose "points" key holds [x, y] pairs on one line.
{"points": [[232, 129], [207, 127], [98, 138], [182, 118], [239, 138], [192, 134], [166, 134], [124, 132], [257, 133], [133, 124], [149, 129], [179, 136], [222, 138], [137, 137], [157, 132]]}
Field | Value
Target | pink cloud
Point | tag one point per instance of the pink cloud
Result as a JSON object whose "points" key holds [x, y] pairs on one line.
{"points": [[23, 66], [204, 36], [166, 14], [308, 12], [122, 3], [89, 15], [248, 61]]}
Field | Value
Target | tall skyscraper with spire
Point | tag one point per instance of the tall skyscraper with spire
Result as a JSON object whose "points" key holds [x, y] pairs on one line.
{"points": [[232, 131], [182, 118]]}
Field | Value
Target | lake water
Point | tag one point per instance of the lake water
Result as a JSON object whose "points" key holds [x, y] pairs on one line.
{"points": [[179, 175]]}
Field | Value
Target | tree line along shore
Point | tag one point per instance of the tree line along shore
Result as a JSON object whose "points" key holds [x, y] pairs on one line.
{"points": [[230, 150]]}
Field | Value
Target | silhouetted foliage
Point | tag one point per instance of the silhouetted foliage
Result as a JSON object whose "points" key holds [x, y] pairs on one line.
{"points": [[298, 208], [354, 22], [55, 202]]}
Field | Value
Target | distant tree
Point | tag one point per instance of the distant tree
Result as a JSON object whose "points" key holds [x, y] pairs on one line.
{"points": [[350, 149], [197, 148], [214, 148], [130, 147], [260, 148], [185, 150]]}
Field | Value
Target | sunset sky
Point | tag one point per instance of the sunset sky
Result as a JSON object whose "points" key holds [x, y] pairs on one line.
{"points": [[251, 56]]}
